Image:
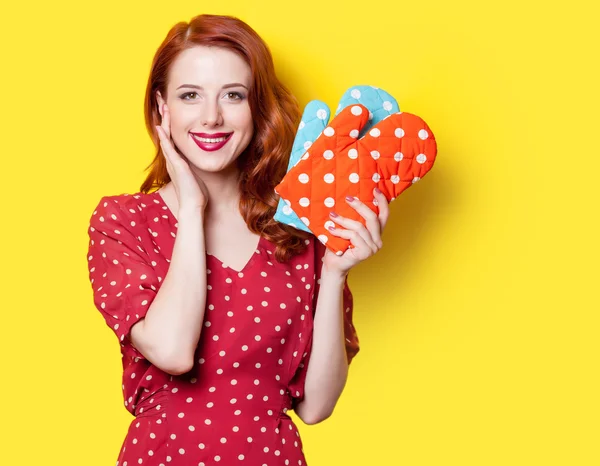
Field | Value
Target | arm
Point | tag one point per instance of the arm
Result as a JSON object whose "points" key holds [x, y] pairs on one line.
{"points": [[169, 333], [328, 364]]}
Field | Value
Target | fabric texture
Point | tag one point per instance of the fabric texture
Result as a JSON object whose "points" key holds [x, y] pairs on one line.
{"points": [[315, 119], [395, 154], [251, 361]]}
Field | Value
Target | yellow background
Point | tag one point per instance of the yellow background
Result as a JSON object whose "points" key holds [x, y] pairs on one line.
{"points": [[478, 320]]}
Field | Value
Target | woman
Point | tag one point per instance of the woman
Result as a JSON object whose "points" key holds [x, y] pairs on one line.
{"points": [[226, 318]]}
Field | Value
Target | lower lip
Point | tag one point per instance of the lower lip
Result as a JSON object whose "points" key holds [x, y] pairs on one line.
{"points": [[210, 146]]}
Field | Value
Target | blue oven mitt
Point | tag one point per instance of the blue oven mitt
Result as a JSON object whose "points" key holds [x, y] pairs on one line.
{"points": [[315, 119]]}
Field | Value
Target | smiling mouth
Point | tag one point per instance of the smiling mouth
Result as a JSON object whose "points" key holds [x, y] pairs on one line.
{"points": [[211, 144], [211, 140]]}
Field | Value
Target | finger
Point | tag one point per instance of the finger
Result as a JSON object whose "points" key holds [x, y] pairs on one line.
{"points": [[371, 221], [166, 121], [166, 146], [384, 208], [355, 238], [166, 143], [162, 139], [355, 226]]}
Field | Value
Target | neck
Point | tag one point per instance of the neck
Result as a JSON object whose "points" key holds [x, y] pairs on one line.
{"points": [[223, 190]]}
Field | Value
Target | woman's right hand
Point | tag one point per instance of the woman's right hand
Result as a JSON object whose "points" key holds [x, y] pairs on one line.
{"points": [[191, 192]]}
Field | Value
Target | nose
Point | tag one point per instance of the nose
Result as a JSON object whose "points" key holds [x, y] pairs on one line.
{"points": [[211, 114]]}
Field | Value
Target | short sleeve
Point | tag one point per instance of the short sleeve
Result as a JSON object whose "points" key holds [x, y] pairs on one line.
{"points": [[123, 281]]}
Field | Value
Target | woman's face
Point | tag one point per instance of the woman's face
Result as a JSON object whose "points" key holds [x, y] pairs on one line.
{"points": [[207, 95]]}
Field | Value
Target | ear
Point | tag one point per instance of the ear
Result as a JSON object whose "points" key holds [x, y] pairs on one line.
{"points": [[160, 101]]}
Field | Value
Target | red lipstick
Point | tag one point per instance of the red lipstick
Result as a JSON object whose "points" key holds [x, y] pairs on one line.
{"points": [[210, 141]]}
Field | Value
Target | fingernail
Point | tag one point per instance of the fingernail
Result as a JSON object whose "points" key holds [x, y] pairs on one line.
{"points": [[349, 198], [377, 191], [330, 228], [333, 214]]}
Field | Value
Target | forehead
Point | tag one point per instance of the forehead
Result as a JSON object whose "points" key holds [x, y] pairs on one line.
{"points": [[209, 67]]}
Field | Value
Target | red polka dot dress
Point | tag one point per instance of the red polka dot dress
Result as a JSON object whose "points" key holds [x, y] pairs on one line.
{"points": [[250, 363]]}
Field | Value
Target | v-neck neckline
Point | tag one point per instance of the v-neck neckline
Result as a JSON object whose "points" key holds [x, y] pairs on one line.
{"points": [[249, 262]]}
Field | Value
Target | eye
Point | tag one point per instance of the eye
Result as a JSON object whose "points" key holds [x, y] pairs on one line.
{"points": [[234, 96], [186, 96]]}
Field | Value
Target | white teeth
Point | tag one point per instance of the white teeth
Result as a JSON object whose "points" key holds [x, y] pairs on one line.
{"points": [[213, 141]]}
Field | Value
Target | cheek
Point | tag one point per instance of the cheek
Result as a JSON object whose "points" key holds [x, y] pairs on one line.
{"points": [[242, 118], [181, 119]]}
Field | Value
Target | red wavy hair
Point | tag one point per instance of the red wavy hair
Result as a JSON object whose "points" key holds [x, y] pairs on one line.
{"points": [[275, 114]]}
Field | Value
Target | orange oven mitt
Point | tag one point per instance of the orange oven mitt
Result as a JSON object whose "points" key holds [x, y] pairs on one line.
{"points": [[392, 156]]}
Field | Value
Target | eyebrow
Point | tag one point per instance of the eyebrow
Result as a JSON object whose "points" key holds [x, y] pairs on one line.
{"points": [[226, 86]]}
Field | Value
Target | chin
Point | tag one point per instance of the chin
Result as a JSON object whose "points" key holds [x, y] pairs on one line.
{"points": [[215, 166]]}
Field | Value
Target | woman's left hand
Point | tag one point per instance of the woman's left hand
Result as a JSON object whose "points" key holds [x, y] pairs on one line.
{"points": [[366, 240]]}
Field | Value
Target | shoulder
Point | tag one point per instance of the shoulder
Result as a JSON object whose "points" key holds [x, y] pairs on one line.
{"points": [[118, 223], [119, 209], [114, 203]]}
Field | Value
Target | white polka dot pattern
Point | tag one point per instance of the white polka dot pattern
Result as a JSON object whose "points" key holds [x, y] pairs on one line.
{"points": [[314, 120], [250, 364], [395, 154]]}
